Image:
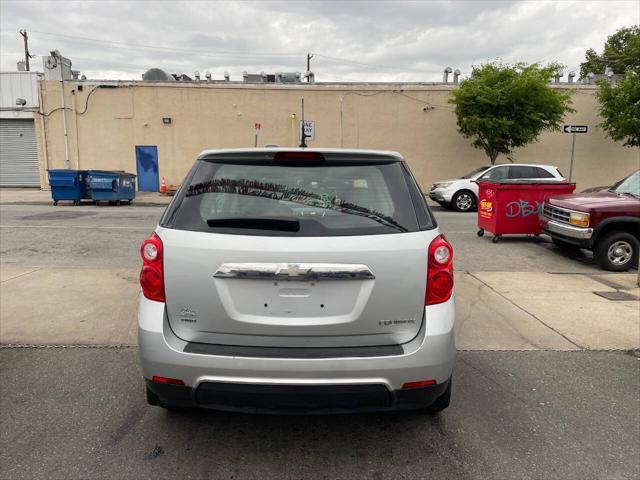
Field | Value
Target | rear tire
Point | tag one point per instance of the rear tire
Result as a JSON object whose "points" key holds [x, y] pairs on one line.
{"points": [[617, 251], [443, 401], [463, 201]]}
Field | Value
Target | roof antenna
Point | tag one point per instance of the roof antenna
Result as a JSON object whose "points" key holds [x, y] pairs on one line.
{"points": [[303, 135]]}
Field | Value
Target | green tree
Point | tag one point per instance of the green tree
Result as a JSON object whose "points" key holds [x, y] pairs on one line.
{"points": [[592, 64], [620, 109], [621, 52], [503, 107]]}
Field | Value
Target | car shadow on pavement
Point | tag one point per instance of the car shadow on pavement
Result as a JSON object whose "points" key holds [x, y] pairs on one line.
{"points": [[324, 446]]}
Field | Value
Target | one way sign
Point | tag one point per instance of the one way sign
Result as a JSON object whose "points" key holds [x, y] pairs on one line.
{"points": [[575, 129]]}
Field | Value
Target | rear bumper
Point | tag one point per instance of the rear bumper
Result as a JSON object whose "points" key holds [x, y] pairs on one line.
{"points": [[429, 356], [283, 399]]}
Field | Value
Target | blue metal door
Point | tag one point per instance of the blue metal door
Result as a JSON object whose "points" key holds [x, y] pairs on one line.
{"points": [[147, 166]]}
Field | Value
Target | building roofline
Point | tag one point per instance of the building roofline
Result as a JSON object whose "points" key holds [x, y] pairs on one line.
{"points": [[328, 86]]}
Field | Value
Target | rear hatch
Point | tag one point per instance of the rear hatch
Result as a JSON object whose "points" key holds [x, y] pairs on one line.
{"points": [[297, 250]]}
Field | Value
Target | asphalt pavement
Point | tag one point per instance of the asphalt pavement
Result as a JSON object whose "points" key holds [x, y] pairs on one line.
{"points": [[558, 404], [80, 413], [110, 236]]}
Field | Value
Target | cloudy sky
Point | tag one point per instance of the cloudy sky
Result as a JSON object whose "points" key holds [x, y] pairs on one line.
{"points": [[350, 40]]}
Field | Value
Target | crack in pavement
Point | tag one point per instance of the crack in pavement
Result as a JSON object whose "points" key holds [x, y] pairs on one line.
{"points": [[527, 312]]}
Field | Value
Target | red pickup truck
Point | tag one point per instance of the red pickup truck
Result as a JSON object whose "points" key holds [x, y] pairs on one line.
{"points": [[608, 223]]}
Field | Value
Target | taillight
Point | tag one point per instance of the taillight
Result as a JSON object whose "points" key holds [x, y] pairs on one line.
{"points": [[152, 273], [440, 271]]}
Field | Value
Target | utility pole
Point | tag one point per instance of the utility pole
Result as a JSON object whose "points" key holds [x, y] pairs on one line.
{"points": [[303, 135], [27, 55], [309, 57]]}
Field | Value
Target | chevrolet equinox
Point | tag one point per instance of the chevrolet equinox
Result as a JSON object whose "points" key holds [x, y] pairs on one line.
{"points": [[297, 280]]}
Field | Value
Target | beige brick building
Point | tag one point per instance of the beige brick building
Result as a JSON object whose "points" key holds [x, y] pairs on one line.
{"points": [[107, 120]]}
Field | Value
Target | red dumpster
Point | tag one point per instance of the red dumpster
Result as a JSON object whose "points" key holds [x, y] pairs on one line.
{"points": [[512, 206]]}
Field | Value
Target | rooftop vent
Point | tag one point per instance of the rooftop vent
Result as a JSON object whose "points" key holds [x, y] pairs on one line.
{"points": [[288, 77], [261, 77], [445, 75], [157, 75], [556, 78], [590, 77]]}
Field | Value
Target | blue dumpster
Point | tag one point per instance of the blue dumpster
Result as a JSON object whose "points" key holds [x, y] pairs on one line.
{"points": [[68, 185], [112, 186]]}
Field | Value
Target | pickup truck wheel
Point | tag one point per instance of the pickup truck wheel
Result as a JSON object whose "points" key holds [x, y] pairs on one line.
{"points": [[463, 201], [617, 251]]}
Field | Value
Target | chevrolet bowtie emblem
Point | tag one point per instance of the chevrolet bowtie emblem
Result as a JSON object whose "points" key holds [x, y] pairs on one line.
{"points": [[293, 270]]}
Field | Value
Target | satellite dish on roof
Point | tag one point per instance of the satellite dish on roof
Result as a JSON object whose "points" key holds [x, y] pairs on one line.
{"points": [[157, 75]]}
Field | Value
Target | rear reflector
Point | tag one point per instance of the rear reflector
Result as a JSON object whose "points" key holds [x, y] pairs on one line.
{"points": [[168, 381], [423, 383]]}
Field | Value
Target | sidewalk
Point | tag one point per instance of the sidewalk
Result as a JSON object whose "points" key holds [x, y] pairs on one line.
{"points": [[35, 196], [495, 310]]}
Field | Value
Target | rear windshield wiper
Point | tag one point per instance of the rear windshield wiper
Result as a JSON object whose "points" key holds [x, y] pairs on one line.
{"points": [[286, 193], [259, 223]]}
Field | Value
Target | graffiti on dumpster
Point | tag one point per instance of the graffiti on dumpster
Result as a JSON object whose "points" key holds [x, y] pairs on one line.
{"points": [[522, 208]]}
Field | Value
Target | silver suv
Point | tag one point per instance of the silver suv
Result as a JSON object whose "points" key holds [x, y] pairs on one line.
{"points": [[283, 280]]}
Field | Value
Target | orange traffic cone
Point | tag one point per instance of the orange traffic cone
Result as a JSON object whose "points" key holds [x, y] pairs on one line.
{"points": [[163, 186]]}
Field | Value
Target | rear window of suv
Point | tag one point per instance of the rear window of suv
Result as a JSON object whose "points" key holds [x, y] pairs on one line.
{"points": [[328, 198]]}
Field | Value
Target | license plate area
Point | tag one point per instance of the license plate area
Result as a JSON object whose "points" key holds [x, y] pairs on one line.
{"points": [[281, 302]]}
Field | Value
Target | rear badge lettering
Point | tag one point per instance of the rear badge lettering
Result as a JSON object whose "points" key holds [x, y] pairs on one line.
{"points": [[387, 323], [188, 315]]}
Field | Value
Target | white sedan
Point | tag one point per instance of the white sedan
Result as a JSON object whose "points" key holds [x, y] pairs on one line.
{"points": [[461, 194]]}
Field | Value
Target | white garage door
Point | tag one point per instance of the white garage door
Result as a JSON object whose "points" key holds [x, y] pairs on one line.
{"points": [[18, 154]]}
